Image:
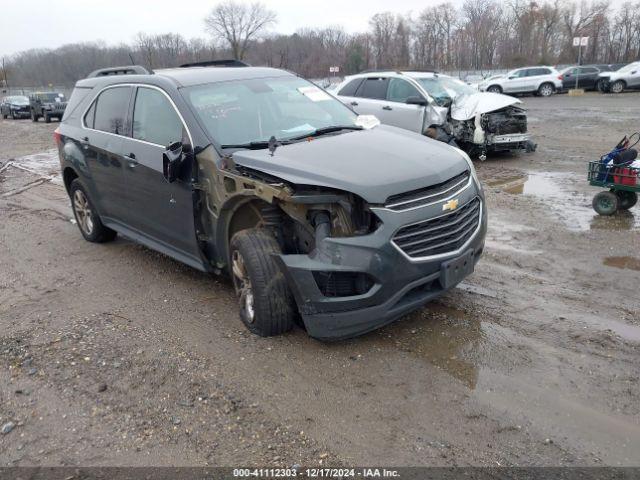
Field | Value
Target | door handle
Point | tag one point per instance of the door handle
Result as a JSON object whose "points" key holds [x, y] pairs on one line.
{"points": [[131, 160], [387, 107], [354, 104]]}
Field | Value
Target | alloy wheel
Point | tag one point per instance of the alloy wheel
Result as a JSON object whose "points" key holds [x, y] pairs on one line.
{"points": [[82, 209], [546, 90], [243, 286]]}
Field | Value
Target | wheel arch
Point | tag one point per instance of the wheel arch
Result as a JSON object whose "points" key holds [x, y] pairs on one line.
{"points": [[68, 176]]}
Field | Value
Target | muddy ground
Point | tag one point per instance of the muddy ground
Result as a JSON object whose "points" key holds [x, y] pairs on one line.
{"points": [[116, 355]]}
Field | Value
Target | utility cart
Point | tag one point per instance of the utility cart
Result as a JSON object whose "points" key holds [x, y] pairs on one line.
{"points": [[619, 174]]}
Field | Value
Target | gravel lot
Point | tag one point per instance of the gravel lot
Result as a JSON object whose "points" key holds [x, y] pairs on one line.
{"points": [[116, 355]]}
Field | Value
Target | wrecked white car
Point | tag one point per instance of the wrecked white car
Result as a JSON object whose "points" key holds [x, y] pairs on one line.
{"points": [[440, 107]]}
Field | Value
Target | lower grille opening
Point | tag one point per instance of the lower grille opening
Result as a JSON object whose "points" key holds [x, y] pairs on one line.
{"points": [[343, 284]]}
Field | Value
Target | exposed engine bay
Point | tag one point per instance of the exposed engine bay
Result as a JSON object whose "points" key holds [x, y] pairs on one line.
{"points": [[501, 130]]}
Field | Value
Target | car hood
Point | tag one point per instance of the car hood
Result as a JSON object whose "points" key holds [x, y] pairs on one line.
{"points": [[373, 164], [467, 107]]}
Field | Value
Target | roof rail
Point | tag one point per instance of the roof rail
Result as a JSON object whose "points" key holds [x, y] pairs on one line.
{"points": [[217, 63], [399, 72], [128, 70]]}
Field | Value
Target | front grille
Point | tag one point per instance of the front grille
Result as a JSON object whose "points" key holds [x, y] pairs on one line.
{"points": [[443, 234], [424, 196]]}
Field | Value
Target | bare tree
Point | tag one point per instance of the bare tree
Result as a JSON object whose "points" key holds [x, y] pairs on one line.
{"points": [[238, 24]]}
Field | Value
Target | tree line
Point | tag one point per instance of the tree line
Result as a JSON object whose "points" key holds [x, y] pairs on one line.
{"points": [[478, 35]]}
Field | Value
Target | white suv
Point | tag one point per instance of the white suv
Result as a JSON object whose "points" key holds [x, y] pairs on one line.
{"points": [[542, 81]]}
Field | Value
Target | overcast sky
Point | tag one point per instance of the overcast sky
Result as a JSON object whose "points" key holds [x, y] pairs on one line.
{"points": [[28, 24]]}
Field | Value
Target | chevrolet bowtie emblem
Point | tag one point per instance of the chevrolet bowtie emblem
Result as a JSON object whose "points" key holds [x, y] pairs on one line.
{"points": [[450, 205]]}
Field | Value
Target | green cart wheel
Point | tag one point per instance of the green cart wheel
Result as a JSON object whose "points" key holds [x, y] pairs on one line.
{"points": [[605, 203], [626, 199]]}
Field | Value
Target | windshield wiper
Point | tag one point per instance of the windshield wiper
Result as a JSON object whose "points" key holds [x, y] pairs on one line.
{"points": [[255, 145], [324, 130]]}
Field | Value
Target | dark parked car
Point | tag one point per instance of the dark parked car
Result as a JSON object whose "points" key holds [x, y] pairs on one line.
{"points": [[586, 76], [14, 106], [47, 105], [589, 76], [313, 211]]}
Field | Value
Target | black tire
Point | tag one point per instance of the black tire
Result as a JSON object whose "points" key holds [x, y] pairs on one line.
{"points": [[546, 89], [47, 118], [626, 200], [267, 306], [494, 89], [617, 87], [97, 232], [34, 117], [4, 116], [13, 115], [605, 203]]}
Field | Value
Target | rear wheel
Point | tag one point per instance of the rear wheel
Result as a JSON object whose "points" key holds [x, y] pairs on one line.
{"points": [[494, 89], [87, 218], [617, 87], [605, 203], [546, 90], [267, 307], [626, 199], [601, 86]]}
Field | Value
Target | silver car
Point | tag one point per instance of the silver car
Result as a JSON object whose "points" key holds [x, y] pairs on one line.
{"points": [[620, 80], [440, 107], [543, 81]]}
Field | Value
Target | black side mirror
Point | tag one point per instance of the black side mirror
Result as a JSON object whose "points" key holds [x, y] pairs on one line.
{"points": [[416, 101], [171, 160]]}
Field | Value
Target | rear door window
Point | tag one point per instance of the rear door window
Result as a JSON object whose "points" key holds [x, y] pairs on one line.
{"points": [[154, 118], [349, 90], [375, 88], [111, 110]]}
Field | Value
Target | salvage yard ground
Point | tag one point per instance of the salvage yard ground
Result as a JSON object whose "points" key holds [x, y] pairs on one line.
{"points": [[116, 355]]}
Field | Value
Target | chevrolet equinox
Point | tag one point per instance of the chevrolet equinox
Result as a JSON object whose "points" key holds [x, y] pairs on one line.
{"points": [[316, 213]]}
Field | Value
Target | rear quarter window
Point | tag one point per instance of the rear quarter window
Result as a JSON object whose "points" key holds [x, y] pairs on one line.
{"points": [[349, 90], [77, 98]]}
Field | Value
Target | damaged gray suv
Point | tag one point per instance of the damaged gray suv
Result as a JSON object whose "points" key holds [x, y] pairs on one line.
{"points": [[317, 214]]}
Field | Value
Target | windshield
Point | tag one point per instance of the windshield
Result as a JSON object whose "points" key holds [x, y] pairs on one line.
{"points": [[244, 111], [51, 97], [19, 100], [630, 67], [445, 89]]}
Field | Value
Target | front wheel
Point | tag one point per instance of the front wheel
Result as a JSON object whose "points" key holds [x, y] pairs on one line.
{"points": [[546, 90], [87, 217], [494, 89], [617, 87], [34, 117], [47, 118], [267, 307], [605, 203], [626, 199]]}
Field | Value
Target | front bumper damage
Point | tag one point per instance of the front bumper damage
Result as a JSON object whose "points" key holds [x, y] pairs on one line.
{"points": [[498, 131], [399, 284]]}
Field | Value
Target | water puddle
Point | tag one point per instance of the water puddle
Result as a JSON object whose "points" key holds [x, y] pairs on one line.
{"points": [[572, 206], [444, 336], [629, 263]]}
